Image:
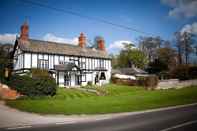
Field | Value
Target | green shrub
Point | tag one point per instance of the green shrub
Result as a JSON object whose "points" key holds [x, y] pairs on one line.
{"points": [[20, 83], [40, 86], [45, 86]]}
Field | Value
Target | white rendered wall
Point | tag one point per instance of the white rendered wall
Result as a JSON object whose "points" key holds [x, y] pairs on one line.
{"points": [[66, 59], [61, 79], [89, 77], [51, 62], [61, 59], [56, 62], [34, 60], [27, 60], [18, 64]]}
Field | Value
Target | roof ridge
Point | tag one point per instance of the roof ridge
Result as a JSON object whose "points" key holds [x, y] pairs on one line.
{"points": [[53, 42]]}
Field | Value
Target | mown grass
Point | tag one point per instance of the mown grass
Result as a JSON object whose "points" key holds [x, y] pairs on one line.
{"points": [[119, 98]]}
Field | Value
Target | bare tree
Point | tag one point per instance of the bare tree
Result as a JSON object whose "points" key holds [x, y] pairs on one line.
{"points": [[149, 45], [184, 44], [179, 46]]}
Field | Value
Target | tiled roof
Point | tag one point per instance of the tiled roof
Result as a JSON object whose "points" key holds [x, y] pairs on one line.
{"points": [[39, 46], [128, 71]]}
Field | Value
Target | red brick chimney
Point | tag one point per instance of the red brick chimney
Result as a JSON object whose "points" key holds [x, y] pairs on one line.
{"points": [[101, 44], [24, 31], [82, 40]]}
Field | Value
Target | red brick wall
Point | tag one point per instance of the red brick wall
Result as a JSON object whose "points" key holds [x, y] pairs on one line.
{"points": [[6, 93]]}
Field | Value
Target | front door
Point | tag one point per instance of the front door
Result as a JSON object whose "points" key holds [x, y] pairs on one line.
{"points": [[77, 79], [67, 79]]}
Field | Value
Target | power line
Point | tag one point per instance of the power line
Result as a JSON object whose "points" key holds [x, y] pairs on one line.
{"points": [[84, 16]]}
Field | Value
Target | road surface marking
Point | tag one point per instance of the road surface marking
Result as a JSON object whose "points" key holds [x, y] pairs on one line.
{"points": [[180, 125], [18, 127], [67, 122]]}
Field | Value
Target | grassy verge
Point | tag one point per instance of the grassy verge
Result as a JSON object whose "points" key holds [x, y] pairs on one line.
{"points": [[118, 99]]}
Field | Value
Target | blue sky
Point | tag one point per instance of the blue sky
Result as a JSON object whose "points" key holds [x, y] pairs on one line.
{"points": [[159, 18]]}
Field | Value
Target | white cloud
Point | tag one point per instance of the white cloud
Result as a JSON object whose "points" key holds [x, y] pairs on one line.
{"points": [[117, 45], [53, 38], [7, 38], [182, 8], [190, 28]]}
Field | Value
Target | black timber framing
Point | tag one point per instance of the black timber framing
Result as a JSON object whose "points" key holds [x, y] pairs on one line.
{"points": [[53, 61], [31, 61], [57, 77], [37, 60], [23, 60], [48, 61], [91, 61]]}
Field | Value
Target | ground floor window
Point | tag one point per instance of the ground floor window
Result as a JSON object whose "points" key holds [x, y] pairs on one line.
{"points": [[96, 79], [83, 77]]}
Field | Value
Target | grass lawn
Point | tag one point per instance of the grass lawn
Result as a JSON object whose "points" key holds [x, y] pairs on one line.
{"points": [[119, 98]]}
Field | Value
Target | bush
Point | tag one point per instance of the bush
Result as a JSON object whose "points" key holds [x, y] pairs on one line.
{"points": [[45, 86], [41, 86], [149, 82], [192, 71]]}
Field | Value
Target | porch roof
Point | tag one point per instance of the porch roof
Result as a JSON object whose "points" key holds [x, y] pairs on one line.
{"points": [[66, 67]]}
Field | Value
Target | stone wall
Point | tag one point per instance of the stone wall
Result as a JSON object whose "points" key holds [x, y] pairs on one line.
{"points": [[175, 83]]}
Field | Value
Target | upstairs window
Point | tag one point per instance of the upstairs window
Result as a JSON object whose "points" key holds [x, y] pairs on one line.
{"points": [[43, 64], [101, 63]]}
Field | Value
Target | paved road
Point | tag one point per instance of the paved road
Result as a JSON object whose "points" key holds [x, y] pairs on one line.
{"points": [[180, 119]]}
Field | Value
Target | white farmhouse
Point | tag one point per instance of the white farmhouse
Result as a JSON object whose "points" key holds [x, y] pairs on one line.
{"points": [[70, 65]]}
